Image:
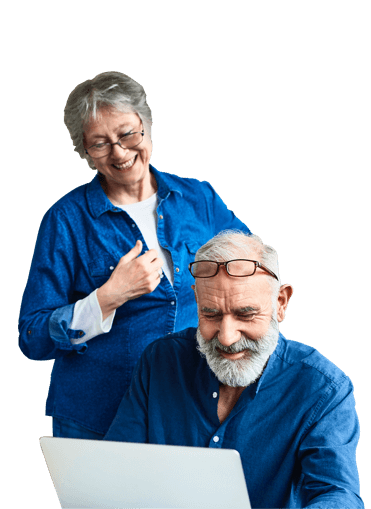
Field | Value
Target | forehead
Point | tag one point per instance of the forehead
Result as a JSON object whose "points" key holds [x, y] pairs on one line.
{"points": [[225, 292], [110, 119]]}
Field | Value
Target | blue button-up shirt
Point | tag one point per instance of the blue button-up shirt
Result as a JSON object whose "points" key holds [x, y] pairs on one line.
{"points": [[296, 428], [81, 239]]}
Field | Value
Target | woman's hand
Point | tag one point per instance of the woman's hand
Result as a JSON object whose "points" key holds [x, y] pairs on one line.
{"points": [[133, 276]]}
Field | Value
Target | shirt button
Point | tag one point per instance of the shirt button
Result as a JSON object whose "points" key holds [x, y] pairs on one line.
{"points": [[29, 331], [215, 394], [111, 268], [161, 216], [177, 269], [133, 225], [80, 333], [115, 209], [216, 439], [172, 302]]}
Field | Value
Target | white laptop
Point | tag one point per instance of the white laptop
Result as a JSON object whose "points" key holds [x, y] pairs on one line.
{"points": [[94, 474]]}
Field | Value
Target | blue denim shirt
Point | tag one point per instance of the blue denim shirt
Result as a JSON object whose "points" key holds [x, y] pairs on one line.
{"points": [[81, 238], [296, 428]]}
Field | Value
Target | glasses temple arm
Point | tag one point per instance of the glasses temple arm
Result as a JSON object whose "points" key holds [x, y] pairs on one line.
{"points": [[267, 270]]}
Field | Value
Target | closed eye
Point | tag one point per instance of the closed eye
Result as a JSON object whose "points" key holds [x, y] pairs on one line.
{"points": [[102, 144], [246, 318], [212, 317]]}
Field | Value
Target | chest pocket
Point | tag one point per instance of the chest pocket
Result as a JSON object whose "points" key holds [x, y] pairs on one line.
{"points": [[101, 269]]}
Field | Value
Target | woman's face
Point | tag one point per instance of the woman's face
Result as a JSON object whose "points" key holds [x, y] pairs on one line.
{"points": [[121, 166]]}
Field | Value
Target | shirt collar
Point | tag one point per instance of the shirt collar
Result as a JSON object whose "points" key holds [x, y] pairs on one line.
{"points": [[99, 203], [165, 183], [270, 363]]}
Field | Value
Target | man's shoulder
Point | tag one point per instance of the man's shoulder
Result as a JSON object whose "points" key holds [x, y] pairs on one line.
{"points": [[308, 359], [177, 341], [176, 346]]}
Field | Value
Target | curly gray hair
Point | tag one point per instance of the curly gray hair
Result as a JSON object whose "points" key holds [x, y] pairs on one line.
{"points": [[108, 89]]}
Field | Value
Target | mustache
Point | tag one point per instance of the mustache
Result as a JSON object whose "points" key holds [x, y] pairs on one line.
{"points": [[256, 346]]}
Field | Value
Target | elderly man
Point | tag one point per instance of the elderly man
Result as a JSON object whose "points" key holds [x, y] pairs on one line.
{"points": [[237, 383]]}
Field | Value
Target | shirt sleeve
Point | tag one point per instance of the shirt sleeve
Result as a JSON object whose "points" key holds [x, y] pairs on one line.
{"points": [[48, 301], [328, 453], [87, 316], [131, 421]]}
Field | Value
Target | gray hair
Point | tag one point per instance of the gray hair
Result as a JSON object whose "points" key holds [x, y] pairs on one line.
{"points": [[230, 244], [108, 89]]}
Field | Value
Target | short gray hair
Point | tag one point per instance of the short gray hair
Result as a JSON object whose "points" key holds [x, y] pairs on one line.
{"points": [[230, 244], [108, 89]]}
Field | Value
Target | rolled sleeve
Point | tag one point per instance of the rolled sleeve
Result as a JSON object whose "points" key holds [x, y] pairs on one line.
{"points": [[60, 332], [46, 309]]}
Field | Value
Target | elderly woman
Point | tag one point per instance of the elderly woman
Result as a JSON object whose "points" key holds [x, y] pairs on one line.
{"points": [[109, 273]]}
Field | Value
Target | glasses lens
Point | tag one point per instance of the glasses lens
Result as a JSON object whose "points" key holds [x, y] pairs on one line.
{"points": [[100, 150], [204, 269], [241, 268], [131, 140], [127, 141]]}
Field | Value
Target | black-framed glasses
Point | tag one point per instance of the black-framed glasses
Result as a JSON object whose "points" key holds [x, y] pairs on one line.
{"points": [[236, 268], [128, 140]]}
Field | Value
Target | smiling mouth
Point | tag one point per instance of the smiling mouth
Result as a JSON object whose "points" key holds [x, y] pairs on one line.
{"points": [[126, 165], [233, 355]]}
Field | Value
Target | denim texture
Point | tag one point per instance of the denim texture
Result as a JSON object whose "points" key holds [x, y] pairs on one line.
{"points": [[296, 428], [64, 428], [81, 239]]}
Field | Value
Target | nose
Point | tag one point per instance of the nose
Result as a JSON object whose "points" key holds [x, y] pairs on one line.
{"points": [[228, 331], [117, 151]]}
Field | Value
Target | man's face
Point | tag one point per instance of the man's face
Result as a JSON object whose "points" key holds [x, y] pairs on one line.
{"points": [[238, 327]]}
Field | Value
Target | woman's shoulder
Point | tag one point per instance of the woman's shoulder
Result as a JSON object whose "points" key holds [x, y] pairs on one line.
{"points": [[179, 183], [72, 202]]}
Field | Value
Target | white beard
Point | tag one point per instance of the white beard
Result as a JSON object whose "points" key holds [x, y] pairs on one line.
{"points": [[244, 371]]}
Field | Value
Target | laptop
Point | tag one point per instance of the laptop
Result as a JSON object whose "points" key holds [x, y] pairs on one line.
{"points": [[95, 474]]}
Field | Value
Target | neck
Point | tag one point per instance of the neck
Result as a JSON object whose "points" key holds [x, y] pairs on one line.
{"points": [[231, 392], [120, 194]]}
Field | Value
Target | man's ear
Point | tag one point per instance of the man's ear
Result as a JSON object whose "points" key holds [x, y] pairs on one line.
{"points": [[195, 291], [284, 296]]}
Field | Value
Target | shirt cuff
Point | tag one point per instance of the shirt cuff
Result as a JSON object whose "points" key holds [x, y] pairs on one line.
{"points": [[87, 316]]}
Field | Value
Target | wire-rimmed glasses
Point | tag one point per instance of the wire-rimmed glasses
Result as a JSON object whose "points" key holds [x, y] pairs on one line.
{"points": [[128, 140]]}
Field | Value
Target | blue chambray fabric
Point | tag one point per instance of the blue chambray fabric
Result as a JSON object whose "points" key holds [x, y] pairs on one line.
{"points": [[65, 428], [296, 428], [81, 238]]}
